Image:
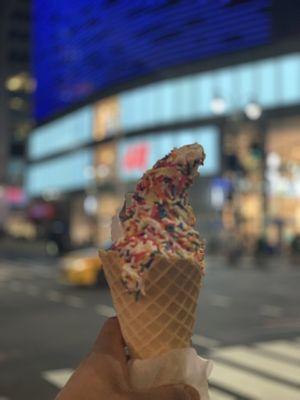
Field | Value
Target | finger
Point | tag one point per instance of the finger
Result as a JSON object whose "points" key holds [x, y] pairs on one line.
{"points": [[171, 392], [110, 341]]}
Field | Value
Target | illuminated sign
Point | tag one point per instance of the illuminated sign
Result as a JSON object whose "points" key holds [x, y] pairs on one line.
{"points": [[65, 133], [62, 174], [136, 155], [190, 97], [83, 46], [14, 195], [173, 100]]}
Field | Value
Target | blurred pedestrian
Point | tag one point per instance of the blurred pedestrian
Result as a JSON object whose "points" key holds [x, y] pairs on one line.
{"points": [[104, 375], [262, 252], [295, 250], [234, 248]]}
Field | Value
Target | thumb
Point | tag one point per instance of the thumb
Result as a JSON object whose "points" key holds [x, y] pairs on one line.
{"points": [[168, 392], [110, 341]]}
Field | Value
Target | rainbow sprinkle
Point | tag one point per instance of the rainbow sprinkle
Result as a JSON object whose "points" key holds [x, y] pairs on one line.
{"points": [[159, 219]]}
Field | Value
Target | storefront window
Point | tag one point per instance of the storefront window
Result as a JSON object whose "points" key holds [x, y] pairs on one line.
{"points": [[242, 212], [283, 173], [106, 118], [108, 205], [105, 157], [82, 225]]}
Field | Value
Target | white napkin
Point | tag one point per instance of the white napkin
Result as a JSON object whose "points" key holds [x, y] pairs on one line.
{"points": [[181, 366]]}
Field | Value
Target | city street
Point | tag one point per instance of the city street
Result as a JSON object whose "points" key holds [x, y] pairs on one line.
{"points": [[109, 111], [248, 323]]}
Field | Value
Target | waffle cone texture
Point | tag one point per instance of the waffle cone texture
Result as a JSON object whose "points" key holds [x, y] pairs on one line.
{"points": [[164, 318]]}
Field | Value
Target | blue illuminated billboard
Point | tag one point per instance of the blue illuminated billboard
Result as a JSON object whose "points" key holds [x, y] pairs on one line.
{"points": [[84, 46]]}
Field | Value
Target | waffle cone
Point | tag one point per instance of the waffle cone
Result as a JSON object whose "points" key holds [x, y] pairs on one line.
{"points": [[164, 318]]}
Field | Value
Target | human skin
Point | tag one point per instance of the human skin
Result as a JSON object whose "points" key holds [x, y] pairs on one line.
{"points": [[103, 374]]}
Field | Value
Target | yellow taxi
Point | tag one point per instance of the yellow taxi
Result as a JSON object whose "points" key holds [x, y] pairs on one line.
{"points": [[82, 268]]}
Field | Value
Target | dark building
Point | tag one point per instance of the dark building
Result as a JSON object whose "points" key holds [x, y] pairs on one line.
{"points": [[16, 87]]}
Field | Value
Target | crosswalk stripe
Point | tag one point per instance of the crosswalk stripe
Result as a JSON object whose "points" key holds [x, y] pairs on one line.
{"points": [[74, 301], [60, 377], [250, 385], [15, 286], [53, 295], [241, 371], [252, 358], [105, 311], [271, 311], [281, 347], [57, 377], [216, 394], [219, 300], [204, 341]]}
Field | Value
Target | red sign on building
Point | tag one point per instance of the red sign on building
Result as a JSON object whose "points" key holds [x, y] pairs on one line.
{"points": [[14, 195], [136, 157]]}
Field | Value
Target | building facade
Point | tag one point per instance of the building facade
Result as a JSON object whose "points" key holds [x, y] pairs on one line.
{"points": [[16, 87], [244, 110]]}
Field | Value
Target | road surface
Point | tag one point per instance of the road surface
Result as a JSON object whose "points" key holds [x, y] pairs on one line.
{"points": [[248, 323]]}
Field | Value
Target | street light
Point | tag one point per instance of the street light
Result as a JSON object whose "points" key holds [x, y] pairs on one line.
{"points": [[218, 105], [253, 110], [103, 171], [90, 204]]}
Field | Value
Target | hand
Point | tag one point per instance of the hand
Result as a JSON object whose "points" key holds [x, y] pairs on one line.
{"points": [[104, 375]]}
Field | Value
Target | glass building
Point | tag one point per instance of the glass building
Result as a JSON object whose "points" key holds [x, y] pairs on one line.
{"points": [[100, 125]]}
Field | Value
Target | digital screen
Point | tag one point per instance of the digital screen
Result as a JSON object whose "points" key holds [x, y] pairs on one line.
{"points": [[84, 46]]}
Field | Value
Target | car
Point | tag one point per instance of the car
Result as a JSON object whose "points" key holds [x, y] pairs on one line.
{"points": [[82, 268]]}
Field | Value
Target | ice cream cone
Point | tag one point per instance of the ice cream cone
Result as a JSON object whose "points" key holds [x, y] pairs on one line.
{"points": [[163, 319]]}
